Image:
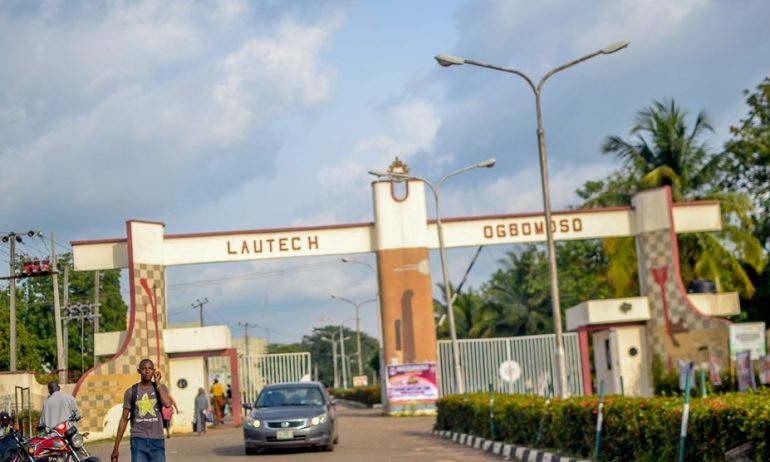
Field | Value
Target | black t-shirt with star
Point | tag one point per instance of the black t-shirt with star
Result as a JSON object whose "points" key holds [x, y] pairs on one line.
{"points": [[148, 420]]}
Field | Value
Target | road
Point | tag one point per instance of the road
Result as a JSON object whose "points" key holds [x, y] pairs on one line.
{"points": [[364, 435]]}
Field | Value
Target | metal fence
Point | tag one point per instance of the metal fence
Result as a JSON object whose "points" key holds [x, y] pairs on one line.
{"points": [[259, 371], [482, 359]]}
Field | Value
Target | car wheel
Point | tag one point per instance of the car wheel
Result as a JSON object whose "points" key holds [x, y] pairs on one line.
{"points": [[336, 439], [329, 447], [252, 451]]}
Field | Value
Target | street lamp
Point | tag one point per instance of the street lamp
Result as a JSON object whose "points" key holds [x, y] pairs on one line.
{"points": [[448, 60], [459, 384], [358, 327], [342, 350]]}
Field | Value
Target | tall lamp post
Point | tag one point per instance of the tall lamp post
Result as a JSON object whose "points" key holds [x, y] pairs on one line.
{"points": [[459, 384], [448, 60], [358, 327]]}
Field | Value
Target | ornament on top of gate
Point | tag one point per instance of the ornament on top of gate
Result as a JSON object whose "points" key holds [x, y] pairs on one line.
{"points": [[398, 167]]}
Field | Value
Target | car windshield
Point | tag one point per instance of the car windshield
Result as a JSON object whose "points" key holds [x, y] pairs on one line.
{"points": [[294, 396]]}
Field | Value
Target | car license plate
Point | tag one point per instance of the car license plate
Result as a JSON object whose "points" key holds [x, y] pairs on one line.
{"points": [[284, 434]]}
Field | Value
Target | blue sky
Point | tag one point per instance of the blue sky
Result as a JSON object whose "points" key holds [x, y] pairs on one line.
{"points": [[213, 116]]}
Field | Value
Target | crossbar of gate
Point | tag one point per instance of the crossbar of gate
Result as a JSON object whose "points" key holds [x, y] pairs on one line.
{"points": [[535, 354], [258, 371]]}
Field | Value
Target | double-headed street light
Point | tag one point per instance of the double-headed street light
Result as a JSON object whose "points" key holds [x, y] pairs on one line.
{"points": [[358, 327], [459, 384], [448, 60]]}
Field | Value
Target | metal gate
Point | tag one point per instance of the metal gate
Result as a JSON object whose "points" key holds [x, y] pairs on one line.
{"points": [[482, 359], [260, 370]]}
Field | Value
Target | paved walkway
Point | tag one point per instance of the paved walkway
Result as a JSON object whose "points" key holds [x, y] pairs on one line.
{"points": [[364, 435]]}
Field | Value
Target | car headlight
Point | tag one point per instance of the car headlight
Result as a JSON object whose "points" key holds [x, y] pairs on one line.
{"points": [[77, 441], [319, 419], [251, 421]]}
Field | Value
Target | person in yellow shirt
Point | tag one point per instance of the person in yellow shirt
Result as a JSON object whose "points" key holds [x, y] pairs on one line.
{"points": [[218, 394]]}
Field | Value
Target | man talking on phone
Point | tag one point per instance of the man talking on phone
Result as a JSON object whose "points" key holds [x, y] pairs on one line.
{"points": [[142, 405]]}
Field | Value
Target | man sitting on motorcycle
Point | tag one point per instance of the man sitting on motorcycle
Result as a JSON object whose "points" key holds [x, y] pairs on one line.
{"points": [[7, 443]]}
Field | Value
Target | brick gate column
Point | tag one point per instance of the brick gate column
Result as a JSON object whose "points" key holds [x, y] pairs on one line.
{"points": [[403, 267], [102, 387]]}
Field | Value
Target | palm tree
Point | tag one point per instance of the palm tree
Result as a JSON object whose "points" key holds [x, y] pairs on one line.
{"points": [[665, 151]]}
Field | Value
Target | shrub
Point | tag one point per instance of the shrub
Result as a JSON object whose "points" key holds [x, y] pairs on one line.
{"points": [[645, 429], [365, 395]]}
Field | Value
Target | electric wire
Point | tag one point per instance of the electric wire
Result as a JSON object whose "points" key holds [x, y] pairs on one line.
{"points": [[256, 275]]}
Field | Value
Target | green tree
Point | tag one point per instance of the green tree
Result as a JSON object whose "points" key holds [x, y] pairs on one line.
{"points": [[664, 150], [321, 351], [747, 169]]}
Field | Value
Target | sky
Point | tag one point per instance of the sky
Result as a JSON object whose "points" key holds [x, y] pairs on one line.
{"points": [[227, 115]]}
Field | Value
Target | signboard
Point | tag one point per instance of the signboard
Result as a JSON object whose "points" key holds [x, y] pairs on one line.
{"points": [[748, 336], [410, 382], [510, 371], [360, 381]]}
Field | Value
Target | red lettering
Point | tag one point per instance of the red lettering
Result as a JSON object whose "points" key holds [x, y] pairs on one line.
{"points": [[526, 229], [539, 228]]}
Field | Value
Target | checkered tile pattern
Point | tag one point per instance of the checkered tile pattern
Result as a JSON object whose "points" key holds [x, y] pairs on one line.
{"points": [[105, 385], [692, 330]]}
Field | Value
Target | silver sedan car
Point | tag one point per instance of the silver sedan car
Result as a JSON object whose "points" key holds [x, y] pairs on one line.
{"points": [[291, 415]]}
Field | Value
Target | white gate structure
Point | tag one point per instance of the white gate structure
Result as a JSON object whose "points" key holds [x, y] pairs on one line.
{"points": [[261, 370], [531, 357]]}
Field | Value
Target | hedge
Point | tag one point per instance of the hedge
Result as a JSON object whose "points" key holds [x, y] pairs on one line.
{"points": [[365, 395], [641, 429]]}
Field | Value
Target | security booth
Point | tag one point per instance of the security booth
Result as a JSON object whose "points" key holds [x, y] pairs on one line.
{"points": [[616, 330]]}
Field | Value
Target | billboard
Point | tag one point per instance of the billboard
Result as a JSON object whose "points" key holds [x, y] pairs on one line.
{"points": [[412, 382]]}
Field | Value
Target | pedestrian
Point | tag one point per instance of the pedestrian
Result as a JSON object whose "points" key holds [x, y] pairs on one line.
{"points": [[201, 410], [142, 403], [229, 399], [218, 393], [59, 407], [168, 413]]}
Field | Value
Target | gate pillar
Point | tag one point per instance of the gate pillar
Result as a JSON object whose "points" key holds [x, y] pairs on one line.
{"points": [[103, 386], [403, 267]]}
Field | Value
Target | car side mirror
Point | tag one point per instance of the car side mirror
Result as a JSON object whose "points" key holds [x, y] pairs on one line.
{"points": [[247, 406]]}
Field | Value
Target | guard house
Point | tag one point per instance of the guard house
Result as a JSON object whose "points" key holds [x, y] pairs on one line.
{"points": [[665, 323]]}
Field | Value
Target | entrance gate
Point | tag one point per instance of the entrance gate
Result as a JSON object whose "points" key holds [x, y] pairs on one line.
{"points": [[401, 236], [532, 355], [262, 370]]}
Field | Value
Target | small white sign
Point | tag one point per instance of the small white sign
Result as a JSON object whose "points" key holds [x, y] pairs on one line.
{"points": [[510, 371], [360, 380], [748, 336]]}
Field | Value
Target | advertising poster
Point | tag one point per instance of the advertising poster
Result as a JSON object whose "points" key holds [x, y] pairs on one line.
{"points": [[410, 382], [744, 371], [716, 380], [748, 336], [764, 370]]}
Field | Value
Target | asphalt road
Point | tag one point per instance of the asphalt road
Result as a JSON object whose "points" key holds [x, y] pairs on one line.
{"points": [[364, 435]]}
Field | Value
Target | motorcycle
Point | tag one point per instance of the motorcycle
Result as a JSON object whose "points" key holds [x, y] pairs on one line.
{"points": [[21, 453], [60, 444]]}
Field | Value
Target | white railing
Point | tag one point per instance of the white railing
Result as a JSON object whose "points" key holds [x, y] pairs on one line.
{"points": [[481, 360]]}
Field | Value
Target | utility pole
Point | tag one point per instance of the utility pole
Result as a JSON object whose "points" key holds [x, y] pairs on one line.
{"points": [[342, 353], [97, 295], [60, 364], [12, 245], [334, 359], [199, 305], [66, 329], [80, 312]]}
